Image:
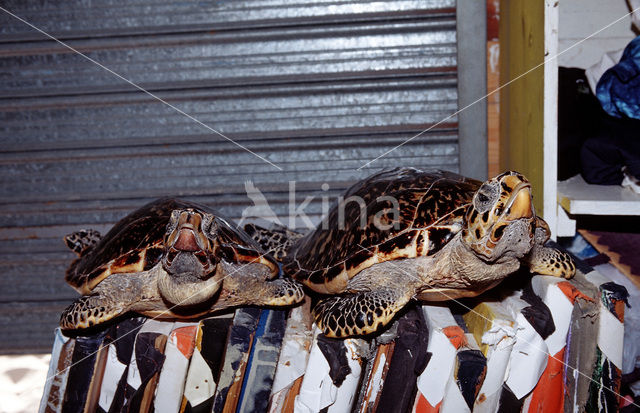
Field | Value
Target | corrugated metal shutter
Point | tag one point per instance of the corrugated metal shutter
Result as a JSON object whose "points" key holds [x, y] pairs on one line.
{"points": [[317, 87]]}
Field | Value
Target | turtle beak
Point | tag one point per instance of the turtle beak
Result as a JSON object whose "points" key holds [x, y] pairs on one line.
{"points": [[520, 204], [188, 250], [187, 241], [188, 235]]}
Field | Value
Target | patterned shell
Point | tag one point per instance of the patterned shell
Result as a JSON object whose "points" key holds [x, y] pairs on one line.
{"points": [[136, 243], [399, 213]]}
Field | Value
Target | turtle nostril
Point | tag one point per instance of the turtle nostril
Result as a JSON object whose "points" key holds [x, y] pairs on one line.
{"points": [[202, 257], [171, 255]]}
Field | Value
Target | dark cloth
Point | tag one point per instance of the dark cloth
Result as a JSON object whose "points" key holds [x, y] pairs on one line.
{"points": [[615, 145], [618, 89], [409, 359], [149, 358], [470, 374], [124, 339], [578, 114], [336, 354], [590, 141], [508, 401], [537, 314]]}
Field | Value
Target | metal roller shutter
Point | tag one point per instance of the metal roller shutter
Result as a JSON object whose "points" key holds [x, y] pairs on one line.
{"points": [[318, 88]]}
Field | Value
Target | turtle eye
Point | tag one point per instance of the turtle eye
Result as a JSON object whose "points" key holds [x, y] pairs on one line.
{"points": [[486, 196], [175, 217], [209, 226]]}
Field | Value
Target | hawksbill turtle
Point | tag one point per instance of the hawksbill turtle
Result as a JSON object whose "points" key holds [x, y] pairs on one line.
{"points": [[406, 234], [170, 259]]}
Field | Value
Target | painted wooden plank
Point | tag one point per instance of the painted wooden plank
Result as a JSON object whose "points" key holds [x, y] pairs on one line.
{"points": [[522, 101], [550, 117], [578, 197], [587, 30]]}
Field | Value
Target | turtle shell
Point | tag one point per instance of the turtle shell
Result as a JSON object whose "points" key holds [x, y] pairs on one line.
{"points": [[136, 243], [394, 214]]}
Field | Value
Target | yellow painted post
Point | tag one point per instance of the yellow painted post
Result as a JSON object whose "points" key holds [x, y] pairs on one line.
{"points": [[522, 37]]}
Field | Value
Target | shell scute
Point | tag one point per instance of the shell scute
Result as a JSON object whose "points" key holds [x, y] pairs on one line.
{"points": [[152, 256], [332, 272], [136, 243], [417, 214], [403, 241], [317, 276], [357, 258], [438, 238], [128, 259]]}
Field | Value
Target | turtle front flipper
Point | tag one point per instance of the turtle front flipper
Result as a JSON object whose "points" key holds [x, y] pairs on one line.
{"points": [[359, 313], [281, 292], [116, 295], [276, 293], [88, 311], [82, 241], [550, 261]]}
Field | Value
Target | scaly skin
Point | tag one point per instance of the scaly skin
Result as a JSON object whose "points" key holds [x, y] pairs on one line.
{"points": [[498, 232], [380, 291], [118, 294]]}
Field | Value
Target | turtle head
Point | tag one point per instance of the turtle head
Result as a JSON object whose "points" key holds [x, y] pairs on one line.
{"points": [[501, 219], [190, 260], [189, 244]]}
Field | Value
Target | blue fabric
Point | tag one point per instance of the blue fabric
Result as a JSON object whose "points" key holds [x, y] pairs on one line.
{"points": [[618, 89]]}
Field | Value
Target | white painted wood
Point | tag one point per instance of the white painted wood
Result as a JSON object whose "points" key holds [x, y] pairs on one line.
{"points": [[582, 19], [579, 32], [580, 198], [550, 116], [566, 225], [589, 52]]}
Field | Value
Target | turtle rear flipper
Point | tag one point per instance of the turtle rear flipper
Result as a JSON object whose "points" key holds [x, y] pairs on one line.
{"points": [[82, 241], [550, 261], [276, 240], [359, 313]]}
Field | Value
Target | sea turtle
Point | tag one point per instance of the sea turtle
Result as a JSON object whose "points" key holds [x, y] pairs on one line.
{"points": [[407, 234], [170, 259]]}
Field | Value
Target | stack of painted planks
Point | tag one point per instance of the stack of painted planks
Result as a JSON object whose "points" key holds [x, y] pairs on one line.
{"points": [[544, 345]]}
